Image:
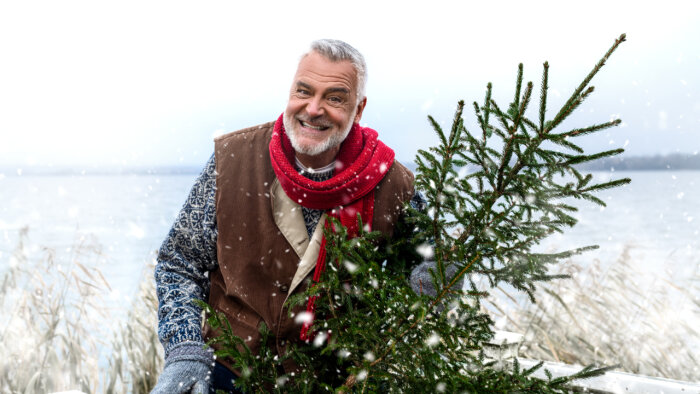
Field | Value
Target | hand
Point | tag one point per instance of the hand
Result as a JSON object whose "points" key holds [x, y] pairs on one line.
{"points": [[422, 282], [184, 376]]}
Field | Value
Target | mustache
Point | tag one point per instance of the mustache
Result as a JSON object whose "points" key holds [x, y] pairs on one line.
{"points": [[317, 121]]}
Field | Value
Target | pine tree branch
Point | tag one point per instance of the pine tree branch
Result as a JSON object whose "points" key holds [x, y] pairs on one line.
{"points": [[565, 143], [457, 125], [567, 109], [576, 94], [523, 107], [507, 149], [588, 130], [502, 117], [455, 279], [585, 158], [518, 84], [543, 96], [351, 380], [487, 103], [607, 185]]}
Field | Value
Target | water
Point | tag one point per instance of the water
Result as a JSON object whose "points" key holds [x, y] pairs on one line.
{"points": [[129, 215], [657, 215]]}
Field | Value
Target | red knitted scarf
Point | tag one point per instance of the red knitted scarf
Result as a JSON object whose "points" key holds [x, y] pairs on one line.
{"points": [[362, 162]]}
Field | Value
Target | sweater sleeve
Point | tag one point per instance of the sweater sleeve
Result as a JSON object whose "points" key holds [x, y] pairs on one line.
{"points": [[184, 260]]}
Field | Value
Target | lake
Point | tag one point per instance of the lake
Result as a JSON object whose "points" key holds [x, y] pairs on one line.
{"points": [[657, 216]]}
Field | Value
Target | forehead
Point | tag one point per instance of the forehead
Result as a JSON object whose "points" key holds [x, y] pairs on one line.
{"points": [[318, 71]]}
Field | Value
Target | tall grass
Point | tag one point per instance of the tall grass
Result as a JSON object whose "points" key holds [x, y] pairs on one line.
{"points": [[56, 333], [611, 314], [51, 319], [137, 356], [54, 325]]}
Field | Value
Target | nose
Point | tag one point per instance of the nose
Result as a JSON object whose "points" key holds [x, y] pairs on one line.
{"points": [[315, 107]]}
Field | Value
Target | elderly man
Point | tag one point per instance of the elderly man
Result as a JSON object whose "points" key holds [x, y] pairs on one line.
{"points": [[251, 231]]}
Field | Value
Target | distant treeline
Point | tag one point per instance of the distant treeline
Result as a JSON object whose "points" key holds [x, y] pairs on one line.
{"points": [[89, 171], [676, 161]]}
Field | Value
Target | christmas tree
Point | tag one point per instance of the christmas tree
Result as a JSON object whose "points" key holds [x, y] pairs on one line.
{"points": [[491, 196]]}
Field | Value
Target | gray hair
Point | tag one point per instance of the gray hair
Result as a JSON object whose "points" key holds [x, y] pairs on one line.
{"points": [[336, 50]]}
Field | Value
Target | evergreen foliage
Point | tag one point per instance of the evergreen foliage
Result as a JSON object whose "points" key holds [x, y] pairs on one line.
{"points": [[373, 333]]}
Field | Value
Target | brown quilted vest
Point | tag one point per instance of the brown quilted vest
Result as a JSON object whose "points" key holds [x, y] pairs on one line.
{"points": [[263, 249]]}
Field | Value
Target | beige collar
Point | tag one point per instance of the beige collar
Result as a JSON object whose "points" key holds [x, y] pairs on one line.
{"points": [[290, 221]]}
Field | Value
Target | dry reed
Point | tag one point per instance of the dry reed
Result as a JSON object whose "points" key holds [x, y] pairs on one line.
{"points": [[53, 323], [137, 356], [608, 316], [51, 319]]}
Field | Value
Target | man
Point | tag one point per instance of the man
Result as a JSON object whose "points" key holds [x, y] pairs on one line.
{"points": [[251, 231]]}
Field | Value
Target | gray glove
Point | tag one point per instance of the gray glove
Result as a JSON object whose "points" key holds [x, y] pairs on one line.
{"points": [[187, 370], [422, 282]]}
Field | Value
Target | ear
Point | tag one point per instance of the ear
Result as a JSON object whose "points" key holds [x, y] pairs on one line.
{"points": [[360, 108]]}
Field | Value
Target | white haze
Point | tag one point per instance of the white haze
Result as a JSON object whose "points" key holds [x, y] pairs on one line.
{"points": [[129, 83]]}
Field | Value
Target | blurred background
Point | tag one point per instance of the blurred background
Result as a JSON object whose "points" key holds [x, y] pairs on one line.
{"points": [[108, 111]]}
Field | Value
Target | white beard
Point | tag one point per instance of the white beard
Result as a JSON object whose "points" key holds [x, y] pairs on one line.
{"points": [[332, 141]]}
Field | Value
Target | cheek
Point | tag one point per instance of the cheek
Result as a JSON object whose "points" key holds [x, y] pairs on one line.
{"points": [[293, 106], [341, 116]]}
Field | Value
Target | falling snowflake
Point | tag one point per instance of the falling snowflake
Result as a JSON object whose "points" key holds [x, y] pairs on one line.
{"points": [[362, 375], [320, 339], [282, 380], [351, 267], [304, 318], [432, 340], [425, 250]]}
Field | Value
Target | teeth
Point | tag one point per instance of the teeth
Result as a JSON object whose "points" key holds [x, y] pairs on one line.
{"points": [[313, 127]]}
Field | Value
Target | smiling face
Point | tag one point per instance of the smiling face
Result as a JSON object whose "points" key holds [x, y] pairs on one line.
{"points": [[322, 108]]}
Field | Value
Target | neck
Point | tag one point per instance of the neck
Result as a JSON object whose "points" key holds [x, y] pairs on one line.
{"points": [[317, 161]]}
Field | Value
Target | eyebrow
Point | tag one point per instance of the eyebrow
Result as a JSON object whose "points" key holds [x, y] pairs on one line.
{"points": [[329, 90], [338, 90], [303, 85]]}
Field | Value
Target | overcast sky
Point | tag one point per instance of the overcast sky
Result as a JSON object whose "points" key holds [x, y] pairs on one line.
{"points": [[143, 83]]}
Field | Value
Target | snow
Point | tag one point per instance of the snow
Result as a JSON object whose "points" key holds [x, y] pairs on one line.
{"points": [[432, 340], [304, 318], [282, 380], [350, 266], [320, 339], [425, 250]]}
